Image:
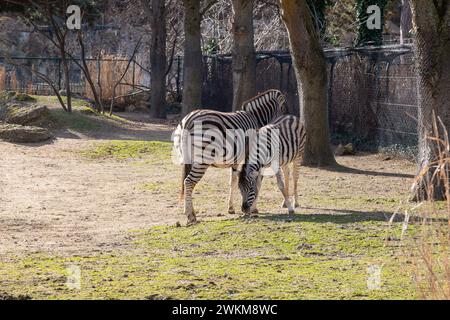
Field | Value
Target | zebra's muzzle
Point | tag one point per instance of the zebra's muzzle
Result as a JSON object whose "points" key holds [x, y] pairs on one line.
{"points": [[245, 207]]}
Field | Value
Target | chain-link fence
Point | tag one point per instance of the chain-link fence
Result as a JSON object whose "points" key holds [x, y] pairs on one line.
{"points": [[373, 97], [21, 74], [372, 92]]}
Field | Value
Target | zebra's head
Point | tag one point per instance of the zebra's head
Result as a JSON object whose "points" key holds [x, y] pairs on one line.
{"points": [[248, 178]]}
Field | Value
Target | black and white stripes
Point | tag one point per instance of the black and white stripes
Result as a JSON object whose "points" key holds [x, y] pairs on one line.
{"points": [[277, 145], [210, 138]]}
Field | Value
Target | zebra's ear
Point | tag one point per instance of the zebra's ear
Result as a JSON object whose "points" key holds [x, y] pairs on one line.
{"points": [[245, 106]]}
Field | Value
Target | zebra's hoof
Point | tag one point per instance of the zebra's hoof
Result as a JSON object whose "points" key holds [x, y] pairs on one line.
{"points": [[291, 212], [231, 211]]}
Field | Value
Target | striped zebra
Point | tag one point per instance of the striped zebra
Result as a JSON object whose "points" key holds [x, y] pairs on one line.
{"points": [[278, 144], [211, 138]]}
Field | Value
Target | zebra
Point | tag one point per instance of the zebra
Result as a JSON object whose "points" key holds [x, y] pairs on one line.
{"points": [[283, 144], [213, 132]]}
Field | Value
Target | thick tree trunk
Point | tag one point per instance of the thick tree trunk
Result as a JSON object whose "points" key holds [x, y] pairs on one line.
{"points": [[244, 58], [311, 71], [431, 22], [192, 70], [155, 11]]}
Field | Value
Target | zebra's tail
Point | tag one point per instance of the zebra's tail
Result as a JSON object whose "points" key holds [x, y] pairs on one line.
{"points": [[184, 173]]}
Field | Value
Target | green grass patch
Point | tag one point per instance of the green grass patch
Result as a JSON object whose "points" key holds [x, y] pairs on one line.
{"points": [[81, 119], [130, 149], [92, 112], [355, 202], [53, 100], [312, 257], [78, 105], [74, 120]]}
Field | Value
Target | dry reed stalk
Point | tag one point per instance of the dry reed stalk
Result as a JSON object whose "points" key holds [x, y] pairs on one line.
{"points": [[110, 71], [14, 82], [432, 267], [2, 78]]}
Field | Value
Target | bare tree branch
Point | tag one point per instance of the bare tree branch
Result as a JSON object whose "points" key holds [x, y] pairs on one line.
{"points": [[136, 47]]}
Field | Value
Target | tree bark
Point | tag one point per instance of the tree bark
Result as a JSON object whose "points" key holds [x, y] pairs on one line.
{"points": [[155, 11], [311, 71], [192, 68], [405, 20], [431, 23], [65, 64], [244, 58]]}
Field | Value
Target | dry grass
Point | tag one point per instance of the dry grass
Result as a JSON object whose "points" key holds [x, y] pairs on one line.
{"points": [[14, 81], [111, 68], [432, 270], [2, 78]]}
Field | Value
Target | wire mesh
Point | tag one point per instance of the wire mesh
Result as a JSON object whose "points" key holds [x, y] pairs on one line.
{"points": [[372, 94]]}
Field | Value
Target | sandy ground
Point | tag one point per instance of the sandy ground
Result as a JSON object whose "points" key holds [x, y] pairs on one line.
{"points": [[53, 199]]}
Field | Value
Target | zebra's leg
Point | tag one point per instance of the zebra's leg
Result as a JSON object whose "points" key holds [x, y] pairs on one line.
{"points": [[233, 186], [194, 176], [286, 173], [254, 209], [281, 186], [295, 174]]}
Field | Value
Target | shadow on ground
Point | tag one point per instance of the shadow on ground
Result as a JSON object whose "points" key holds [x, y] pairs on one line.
{"points": [[343, 216], [344, 169]]}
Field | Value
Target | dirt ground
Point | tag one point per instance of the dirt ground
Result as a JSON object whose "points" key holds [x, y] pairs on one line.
{"points": [[54, 199]]}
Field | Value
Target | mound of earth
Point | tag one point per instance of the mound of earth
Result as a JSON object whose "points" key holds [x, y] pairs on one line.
{"points": [[15, 108], [8, 96], [23, 115], [19, 133]]}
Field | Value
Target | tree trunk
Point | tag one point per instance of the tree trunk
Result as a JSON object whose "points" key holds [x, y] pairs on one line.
{"points": [[431, 22], [244, 58], [311, 71], [405, 20], [65, 63], [155, 11], [87, 73], [67, 84], [192, 70]]}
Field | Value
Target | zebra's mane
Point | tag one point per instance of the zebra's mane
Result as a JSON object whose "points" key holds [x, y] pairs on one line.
{"points": [[269, 104]]}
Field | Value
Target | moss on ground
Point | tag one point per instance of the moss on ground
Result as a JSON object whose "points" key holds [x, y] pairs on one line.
{"points": [[269, 257], [152, 152], [53, 100], [73, 121], [83, 119]]}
